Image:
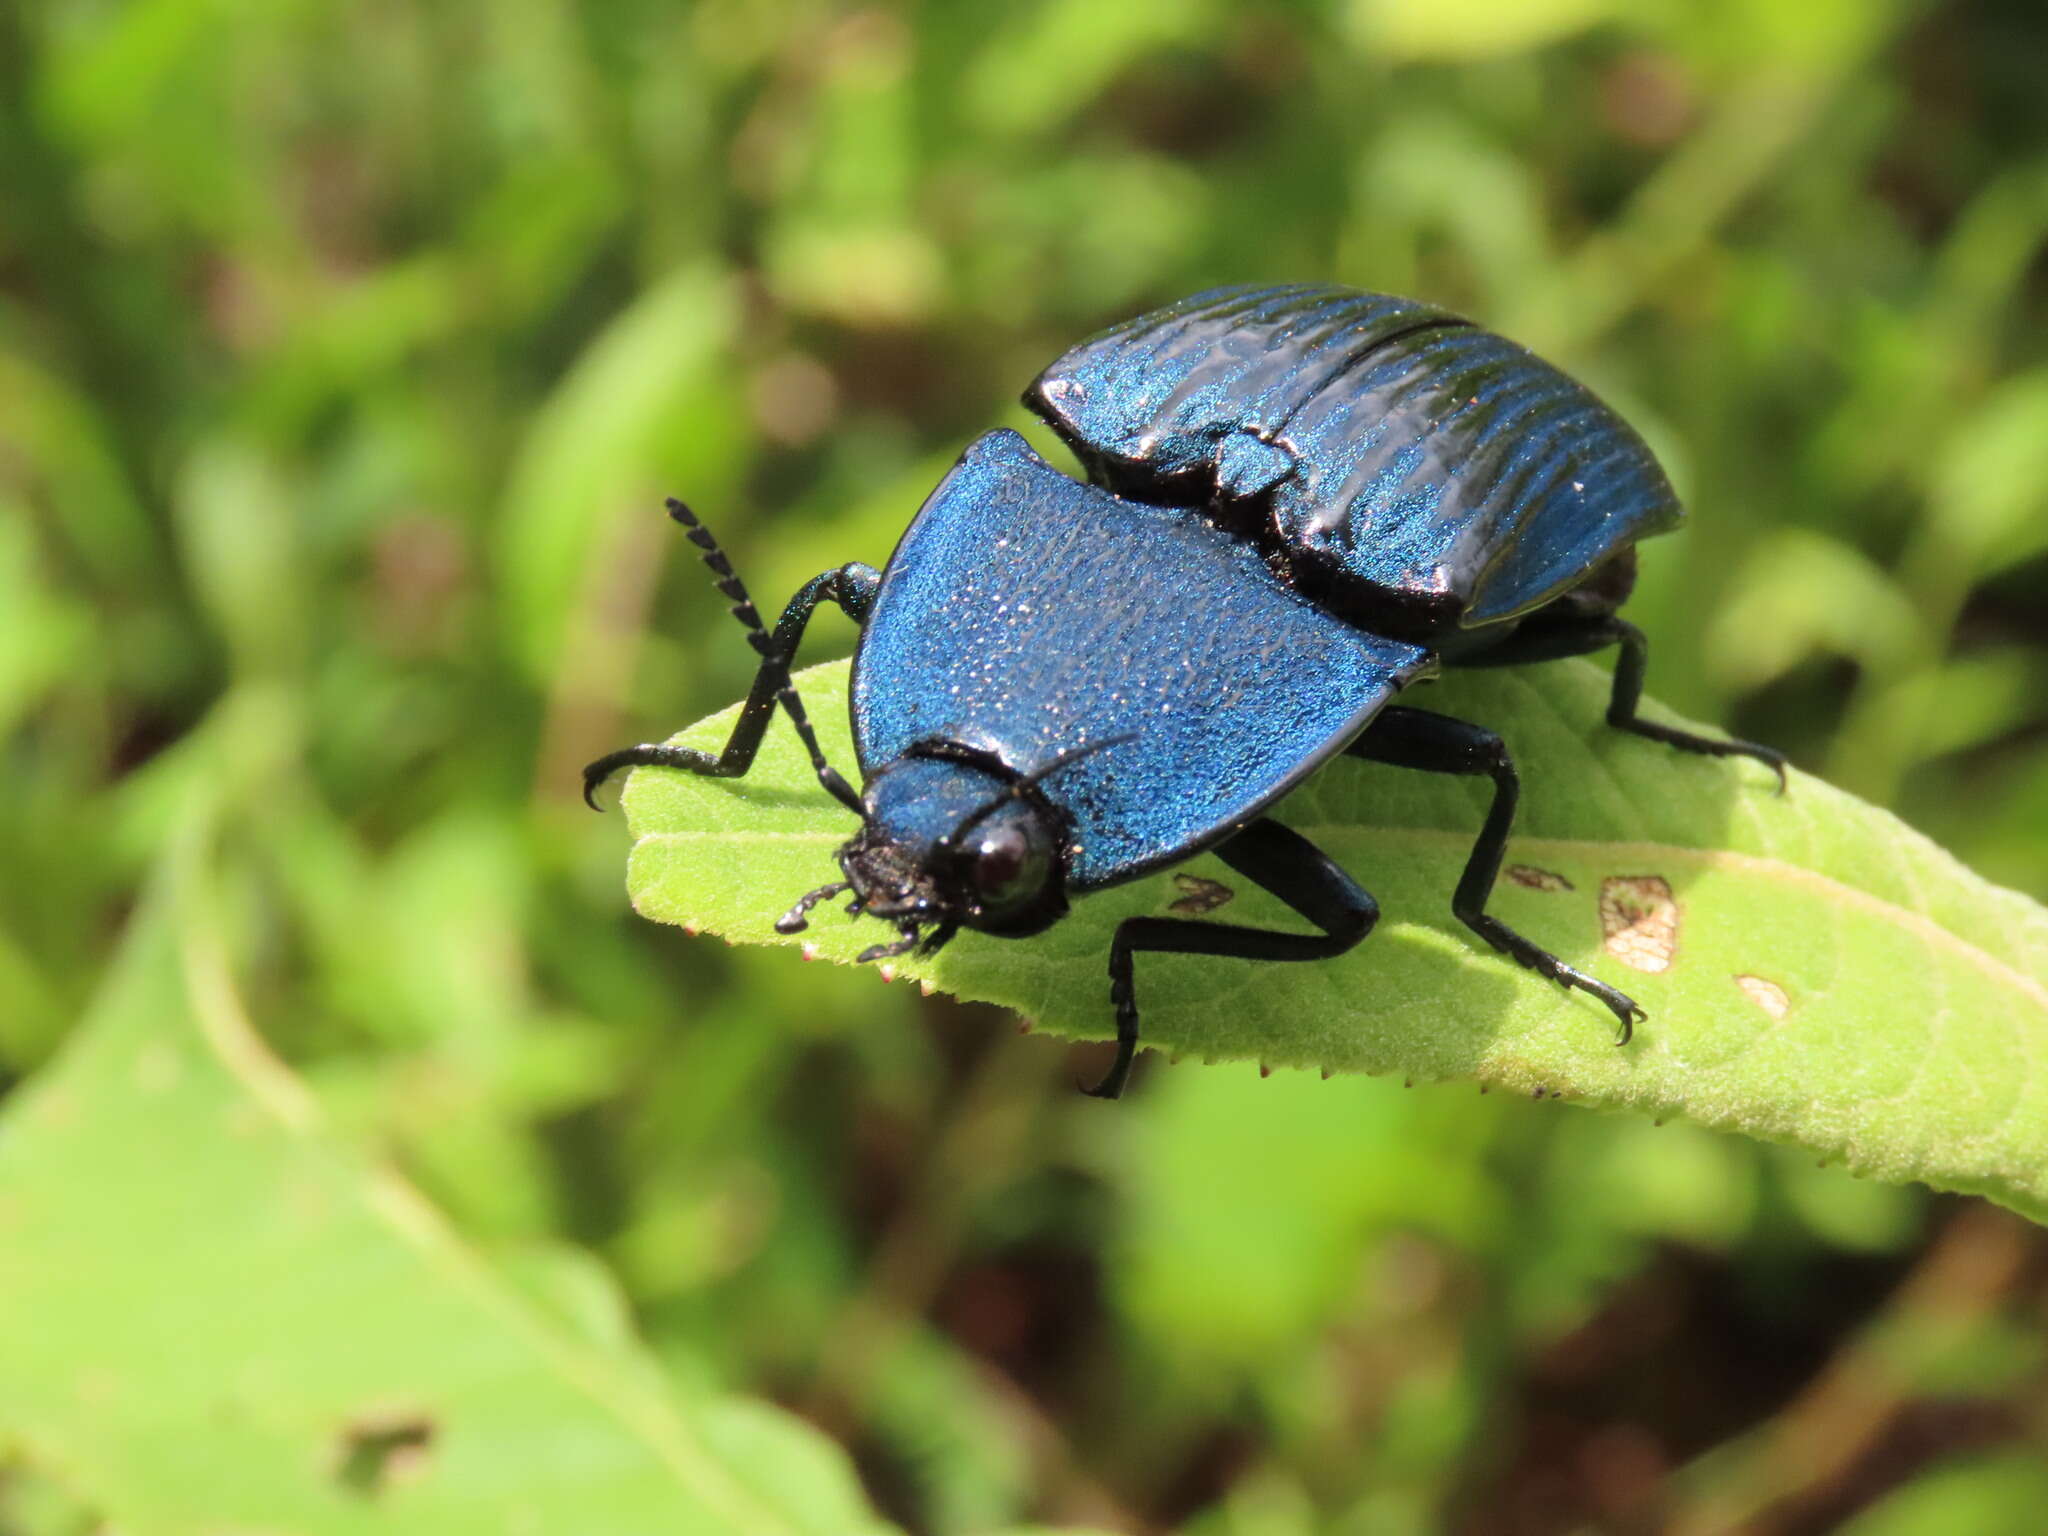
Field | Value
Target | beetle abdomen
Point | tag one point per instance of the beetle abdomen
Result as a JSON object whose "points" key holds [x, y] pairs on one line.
{"points": [[1411, 471]]}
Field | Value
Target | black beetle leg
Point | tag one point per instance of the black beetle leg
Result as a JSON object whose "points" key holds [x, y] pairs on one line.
{"points": [[649, 754], [1629, 668], [1554, 639], [851, 586], [1418, 738], [1285, 863]]}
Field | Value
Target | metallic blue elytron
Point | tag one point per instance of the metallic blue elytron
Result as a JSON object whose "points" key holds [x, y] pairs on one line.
{"points": [[1300, 500]]}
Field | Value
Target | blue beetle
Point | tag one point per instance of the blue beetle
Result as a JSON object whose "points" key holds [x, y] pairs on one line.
{"points": [[1301, 501]]}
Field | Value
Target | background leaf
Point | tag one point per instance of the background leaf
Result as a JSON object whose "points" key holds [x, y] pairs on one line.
{"points": [[1815, 972], [214, 1316]]}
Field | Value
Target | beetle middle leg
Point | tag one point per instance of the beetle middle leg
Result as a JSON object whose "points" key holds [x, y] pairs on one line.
{"points": [[1558, 638], [851, 586], [1418, 738], [1285, 863]]}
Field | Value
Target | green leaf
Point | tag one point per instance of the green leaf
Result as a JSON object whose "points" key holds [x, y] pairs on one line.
{"points": [[1972, 1492], [1815, 972], [594, 448], [214, 1317], [1408, 30]]}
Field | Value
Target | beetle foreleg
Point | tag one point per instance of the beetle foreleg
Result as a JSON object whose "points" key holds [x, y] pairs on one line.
{"points": [[1433, 743], [851, 586], [1285, 863]]}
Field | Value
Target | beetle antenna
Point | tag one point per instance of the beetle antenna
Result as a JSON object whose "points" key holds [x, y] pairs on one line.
{"points": [[1018, 787], [792, 921], [743, 609]]}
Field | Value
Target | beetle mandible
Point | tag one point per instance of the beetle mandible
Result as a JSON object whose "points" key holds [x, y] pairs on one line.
{"points": [[1301, 500]]}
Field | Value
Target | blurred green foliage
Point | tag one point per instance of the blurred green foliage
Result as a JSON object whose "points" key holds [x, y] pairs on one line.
{"points": [[345, 355]]}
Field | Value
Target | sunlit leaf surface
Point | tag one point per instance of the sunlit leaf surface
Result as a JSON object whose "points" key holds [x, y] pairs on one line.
{"points": [[1814, 971]]}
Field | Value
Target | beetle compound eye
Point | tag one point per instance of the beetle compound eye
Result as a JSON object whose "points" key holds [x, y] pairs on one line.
{"points": [[1000, 860], [1008, 866]]}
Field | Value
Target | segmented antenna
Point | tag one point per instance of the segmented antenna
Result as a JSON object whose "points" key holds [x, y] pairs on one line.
{"points": [[763, 643], [1017, 787]]}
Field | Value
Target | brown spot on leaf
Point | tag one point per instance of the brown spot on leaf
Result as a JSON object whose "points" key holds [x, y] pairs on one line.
{"points": [[382, 1448], [1198, 895], [1766, 994], [1639, 921], [1537, 879]]}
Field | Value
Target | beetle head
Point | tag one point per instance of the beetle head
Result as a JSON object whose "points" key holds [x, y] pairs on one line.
{"points": [[950, 838]]}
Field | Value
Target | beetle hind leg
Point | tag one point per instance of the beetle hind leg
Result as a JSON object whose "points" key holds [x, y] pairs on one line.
{"points": [[1285, 863], [1556, 638], [1433, 743], [1629, 669]]}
